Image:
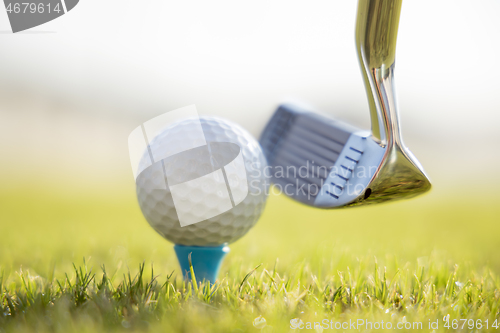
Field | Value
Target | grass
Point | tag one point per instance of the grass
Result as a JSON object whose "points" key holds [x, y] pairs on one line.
{"points": [[263, 299], [77, 259]]}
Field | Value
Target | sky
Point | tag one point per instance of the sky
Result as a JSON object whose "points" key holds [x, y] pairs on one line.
{"points": [[107, 66]]}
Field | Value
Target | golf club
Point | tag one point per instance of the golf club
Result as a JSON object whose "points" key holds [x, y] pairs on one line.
{"points": [[326, 163]]}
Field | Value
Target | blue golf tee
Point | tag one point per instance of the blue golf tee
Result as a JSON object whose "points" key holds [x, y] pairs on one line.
{"points": [[206, 261]]}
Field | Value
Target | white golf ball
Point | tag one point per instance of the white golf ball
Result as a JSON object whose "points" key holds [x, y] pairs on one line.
{"points": [[224, 141]]}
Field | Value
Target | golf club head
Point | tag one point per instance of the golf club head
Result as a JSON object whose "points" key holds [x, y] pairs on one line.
{"points": [[327, 163], [342, 165]]}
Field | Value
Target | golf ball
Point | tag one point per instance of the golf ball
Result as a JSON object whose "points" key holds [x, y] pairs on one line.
{"points": [[225, 142]]}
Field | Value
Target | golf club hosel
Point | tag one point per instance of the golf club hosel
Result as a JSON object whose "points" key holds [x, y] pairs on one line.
{"points": [[387, 107], [376, 34], [399, 174]]}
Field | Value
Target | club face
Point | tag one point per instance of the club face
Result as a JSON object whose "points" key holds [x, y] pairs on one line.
{"points": [[326, 163]]}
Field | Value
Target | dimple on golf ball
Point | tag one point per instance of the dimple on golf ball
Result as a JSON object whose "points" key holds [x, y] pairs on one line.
{"points": [[186, 197]]}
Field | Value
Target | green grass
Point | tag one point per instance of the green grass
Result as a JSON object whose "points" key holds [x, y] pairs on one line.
{"points": [[77, 259]]}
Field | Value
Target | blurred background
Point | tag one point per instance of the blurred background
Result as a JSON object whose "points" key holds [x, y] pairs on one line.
{"points": [[72, 90]]}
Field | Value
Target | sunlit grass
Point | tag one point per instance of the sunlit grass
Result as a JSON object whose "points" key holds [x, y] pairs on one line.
{"points": [[417, 260], [262, 298]]}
